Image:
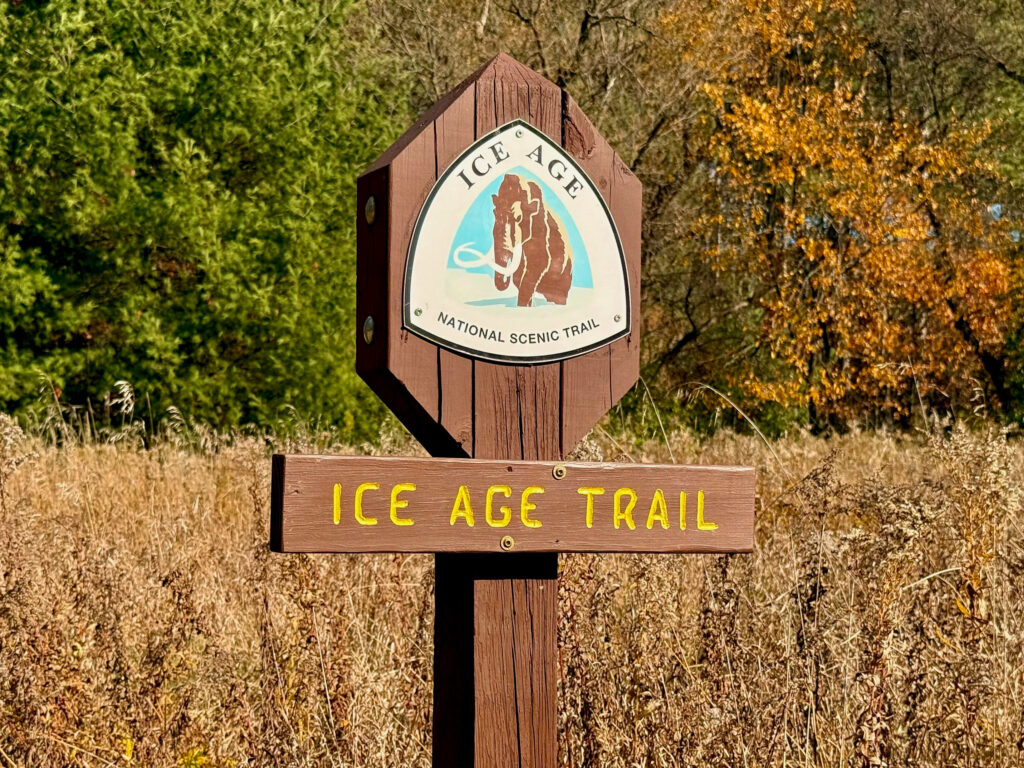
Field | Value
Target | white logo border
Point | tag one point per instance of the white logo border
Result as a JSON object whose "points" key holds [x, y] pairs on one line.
{"points": [[409, 324]]}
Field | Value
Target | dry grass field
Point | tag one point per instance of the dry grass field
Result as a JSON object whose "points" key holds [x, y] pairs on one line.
{"points": [[880, 621]]}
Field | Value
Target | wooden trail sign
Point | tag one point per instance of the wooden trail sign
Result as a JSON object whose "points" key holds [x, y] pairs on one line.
{"points": [[364, 504], [456, 397], [498, 290]]}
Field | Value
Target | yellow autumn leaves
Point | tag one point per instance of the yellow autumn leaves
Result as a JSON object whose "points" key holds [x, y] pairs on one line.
{"points": [[873, 262]]}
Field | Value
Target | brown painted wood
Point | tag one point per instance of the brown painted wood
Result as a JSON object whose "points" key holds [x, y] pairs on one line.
{"points": [[495, 732], [452, 404], [485, 629], [411, 360], [454, 713], [304, 488], [515, 693], [515, 614], [494, 613], [534, 645], [515, 408], [509, 411], [372, 274], [411, 398], [625, 204], [454, 130], [585, 396], [276, 511]]}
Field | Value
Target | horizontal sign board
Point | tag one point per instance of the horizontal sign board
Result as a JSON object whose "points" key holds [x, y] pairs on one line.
{"points": [[371, 504]]}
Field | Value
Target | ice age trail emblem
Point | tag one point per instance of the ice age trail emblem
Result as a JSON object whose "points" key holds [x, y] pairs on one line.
{"points": [[515, 257], [531, 249]]}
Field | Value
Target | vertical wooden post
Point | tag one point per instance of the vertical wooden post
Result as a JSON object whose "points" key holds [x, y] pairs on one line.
{"points": [[495, 661], [494, 625], [495, 655]]}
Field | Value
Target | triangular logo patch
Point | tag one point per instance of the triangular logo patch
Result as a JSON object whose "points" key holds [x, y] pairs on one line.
{"points": [[515, 256]]}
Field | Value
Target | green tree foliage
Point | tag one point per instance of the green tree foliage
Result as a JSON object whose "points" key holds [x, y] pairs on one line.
{"points": [[177, 203], [176, 194]]}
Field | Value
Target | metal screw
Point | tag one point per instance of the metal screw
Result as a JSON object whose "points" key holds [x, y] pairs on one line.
{"points": [[559, 471], [507, 542], [418, 312], [370, 209], [519, 133], [368, 329], [617, 318]]}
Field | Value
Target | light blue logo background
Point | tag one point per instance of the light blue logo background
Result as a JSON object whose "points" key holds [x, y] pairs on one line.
{"points": [[477, 227]]}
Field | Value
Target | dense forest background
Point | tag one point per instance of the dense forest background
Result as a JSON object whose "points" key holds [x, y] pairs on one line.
{"points": [[831, 211]]}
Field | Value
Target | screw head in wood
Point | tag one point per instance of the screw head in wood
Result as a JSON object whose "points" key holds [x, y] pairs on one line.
{"points": [[370, 209], [617, 318], [507, 542], [418, 312], [559, 471], [368, 329]]}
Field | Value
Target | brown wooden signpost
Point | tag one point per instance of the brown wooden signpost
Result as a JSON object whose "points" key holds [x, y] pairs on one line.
{"points": [[498, 289]]}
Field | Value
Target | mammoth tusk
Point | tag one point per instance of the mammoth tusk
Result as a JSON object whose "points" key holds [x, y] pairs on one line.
{"points": [[468, 257]]}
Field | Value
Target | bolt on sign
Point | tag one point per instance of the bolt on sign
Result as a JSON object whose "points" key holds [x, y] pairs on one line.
{"points": [[498, 290]]}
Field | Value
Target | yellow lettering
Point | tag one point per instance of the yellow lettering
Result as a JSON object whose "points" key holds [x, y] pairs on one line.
{"points": [[702, 524], [397, 503], [462, 507], [526, 506], [682, 510], [626, 515], [360, 517], [659, 510], [590, 493], [506, 511], [337, 503]]}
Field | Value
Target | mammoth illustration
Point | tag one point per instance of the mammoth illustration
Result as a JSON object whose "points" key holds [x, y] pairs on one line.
{"points": [[530, 245]]}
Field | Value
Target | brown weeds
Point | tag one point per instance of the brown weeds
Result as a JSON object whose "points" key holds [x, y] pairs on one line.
{"points": [[879, 623]]}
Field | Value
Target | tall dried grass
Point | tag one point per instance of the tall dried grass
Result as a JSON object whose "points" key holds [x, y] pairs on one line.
{"points": [[880, 621]]}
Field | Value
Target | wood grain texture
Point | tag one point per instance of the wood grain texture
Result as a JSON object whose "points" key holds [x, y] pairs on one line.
{"points": [[376, 272], [515, 614], [516, 408], [486, 627], [454, 130], [586, 380], [304, 495], [512, 412], [495, 656], [626, 203], [411, 360], [534, 651], [496, 731]]}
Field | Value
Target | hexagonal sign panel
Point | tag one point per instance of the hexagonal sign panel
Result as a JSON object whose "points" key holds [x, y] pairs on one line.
{"points": [[498, 271]]}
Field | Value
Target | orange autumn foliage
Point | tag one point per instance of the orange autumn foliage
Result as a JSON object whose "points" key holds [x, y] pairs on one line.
{"points": [[874, 274]]}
